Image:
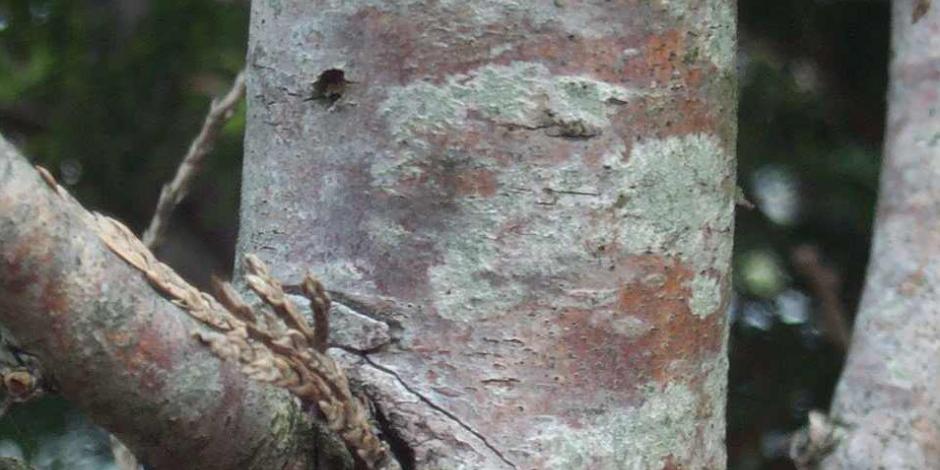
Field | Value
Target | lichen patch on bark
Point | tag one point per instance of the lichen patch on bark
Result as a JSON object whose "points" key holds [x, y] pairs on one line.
{"points": [[520, 95], [677, 206], [647, 436], [714, 20]]}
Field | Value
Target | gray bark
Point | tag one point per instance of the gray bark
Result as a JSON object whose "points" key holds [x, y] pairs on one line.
{"points": [[887, 396], [535, 197]]}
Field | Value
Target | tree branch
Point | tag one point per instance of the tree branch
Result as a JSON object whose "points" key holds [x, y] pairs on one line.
{"points": [[119, 351]]}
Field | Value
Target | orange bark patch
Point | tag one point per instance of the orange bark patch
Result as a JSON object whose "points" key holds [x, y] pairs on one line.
{"points": [[602, 58], [690, 115], [635, 54], [53, 299], [142, 351], [670, 464], [658, 117], [671, 346], [23, 267], [667, 59], [476, 183], [18, 277], [662, 56]]}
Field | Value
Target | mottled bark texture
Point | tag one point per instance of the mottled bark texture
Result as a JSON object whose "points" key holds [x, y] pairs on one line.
{"points": [[119, 351], [888, 394], [535, 196]]}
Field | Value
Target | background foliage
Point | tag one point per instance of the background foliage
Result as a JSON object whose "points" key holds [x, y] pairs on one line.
{"points": [[108, 94]]}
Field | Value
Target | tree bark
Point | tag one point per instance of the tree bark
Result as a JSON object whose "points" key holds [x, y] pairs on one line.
{"points": [[887, 396], [536, 197], [123, 354]]}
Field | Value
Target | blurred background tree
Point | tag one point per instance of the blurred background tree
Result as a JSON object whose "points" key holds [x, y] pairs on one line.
{"points": [[812, 77], [108, 94]]}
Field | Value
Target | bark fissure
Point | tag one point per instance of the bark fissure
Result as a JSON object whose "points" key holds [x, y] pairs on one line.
{"points": [[402, 452]]}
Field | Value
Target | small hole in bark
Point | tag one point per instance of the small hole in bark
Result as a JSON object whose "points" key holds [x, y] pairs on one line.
{"points": [[329, 86]]}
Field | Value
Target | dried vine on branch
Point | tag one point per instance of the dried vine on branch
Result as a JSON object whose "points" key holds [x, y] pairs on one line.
{"points": [[280, 348]]}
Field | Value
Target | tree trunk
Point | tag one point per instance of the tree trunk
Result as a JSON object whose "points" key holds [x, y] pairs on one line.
{"points": [[887, 396], [534, 198]]}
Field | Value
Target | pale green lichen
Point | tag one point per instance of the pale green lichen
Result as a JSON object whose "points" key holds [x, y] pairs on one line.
{"points": [[902, 372], [928, 137], [671, 193], [645, 437], [498, 246], [521, 94], [714, 22], [706, 295], [675, 194], [471, 284], [481, 277], [714, 403], [675, 184], [471, 19]]}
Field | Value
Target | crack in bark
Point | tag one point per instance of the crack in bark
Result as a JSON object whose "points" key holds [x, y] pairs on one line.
{"points": [[357, 307], [528, 127], [401, 450], [427, 401], [570, 192]]}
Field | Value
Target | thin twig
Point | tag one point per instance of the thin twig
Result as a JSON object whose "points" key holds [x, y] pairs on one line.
{"points": [[173, 192], [826, 285]]}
